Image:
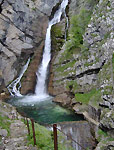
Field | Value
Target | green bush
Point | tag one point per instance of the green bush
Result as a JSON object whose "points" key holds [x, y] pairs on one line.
{"points": [[78, 26]]}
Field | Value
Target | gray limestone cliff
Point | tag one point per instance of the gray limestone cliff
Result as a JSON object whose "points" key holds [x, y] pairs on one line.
{"points": [[23, 25], [82, 66], [82, 70]]}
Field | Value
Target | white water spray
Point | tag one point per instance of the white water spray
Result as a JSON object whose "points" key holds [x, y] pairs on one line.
{"points": [[41, 90], [14, 87]]}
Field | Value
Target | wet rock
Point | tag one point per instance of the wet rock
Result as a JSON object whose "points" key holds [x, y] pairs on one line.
{"points": [[77, 132]]}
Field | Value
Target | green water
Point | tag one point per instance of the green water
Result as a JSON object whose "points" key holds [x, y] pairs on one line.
{"points": [[44, 112]]}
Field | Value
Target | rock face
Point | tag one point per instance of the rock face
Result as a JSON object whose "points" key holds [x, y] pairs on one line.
{"points": [[21, 35], [80, 132], [82, 66], [13, 132], [82, 71]]}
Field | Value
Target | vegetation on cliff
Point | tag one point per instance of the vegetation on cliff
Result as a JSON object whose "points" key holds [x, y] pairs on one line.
{"points": [[84, 67]]}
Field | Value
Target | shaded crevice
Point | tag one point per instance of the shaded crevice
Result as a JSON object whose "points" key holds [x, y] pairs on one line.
{"points": [[6, 46], [1, 6], [3, 43], [87, 72], [94, 42]]}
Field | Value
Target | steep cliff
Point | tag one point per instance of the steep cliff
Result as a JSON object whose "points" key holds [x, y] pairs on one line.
{"points": [[23, 26], [82, 71], [82, 66]]}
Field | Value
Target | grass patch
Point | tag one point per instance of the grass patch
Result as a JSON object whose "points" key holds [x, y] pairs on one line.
{"points": [[101, 134], [5, 123], [86, 97], [68, 54], [44, 138], [64, 67]]}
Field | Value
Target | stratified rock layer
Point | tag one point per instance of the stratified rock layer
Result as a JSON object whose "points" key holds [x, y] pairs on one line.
{"points": [[23, 25], [83, 76]]}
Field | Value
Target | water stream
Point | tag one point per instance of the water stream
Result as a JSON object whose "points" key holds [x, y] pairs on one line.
{"points": [[40, 106], [43, 70], [14, 87]]}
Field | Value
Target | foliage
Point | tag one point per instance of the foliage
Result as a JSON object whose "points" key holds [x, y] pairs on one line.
{"points": [[78, 26], [57, 30], [44, 138], [67, 65], [96, 98], [57, 37], [101, 134]]}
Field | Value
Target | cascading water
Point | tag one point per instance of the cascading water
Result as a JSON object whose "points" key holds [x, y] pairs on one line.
{"points": [[14, 87], [41, 90], [41, 93], [40, 106]]}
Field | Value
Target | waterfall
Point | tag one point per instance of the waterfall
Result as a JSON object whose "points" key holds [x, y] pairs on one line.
{"points": [[14, 87], [40, 90], [42, 72]]}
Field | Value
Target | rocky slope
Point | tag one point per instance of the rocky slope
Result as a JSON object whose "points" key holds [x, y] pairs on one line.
{"points": [[13, 132], [82, 71]]}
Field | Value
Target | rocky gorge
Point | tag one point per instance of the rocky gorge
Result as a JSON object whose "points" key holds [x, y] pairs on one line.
{"points": [[82, 66]]}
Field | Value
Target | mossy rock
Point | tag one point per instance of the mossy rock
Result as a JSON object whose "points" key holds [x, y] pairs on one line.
{"points": [[57, 36]]}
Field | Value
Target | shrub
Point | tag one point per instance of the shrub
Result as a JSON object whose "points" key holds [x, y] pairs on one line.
{"points": [[78, 26]]}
